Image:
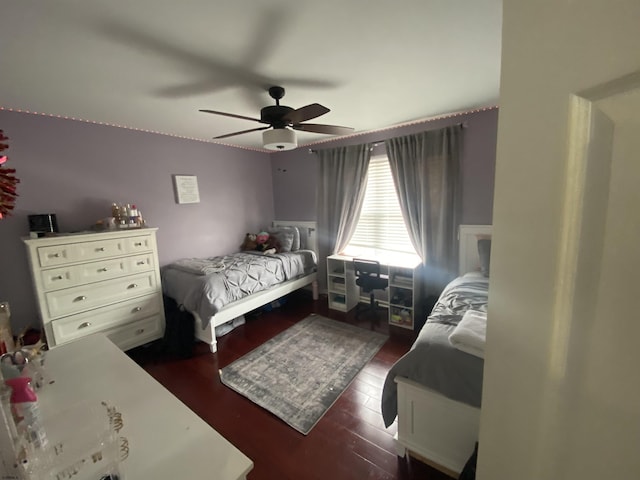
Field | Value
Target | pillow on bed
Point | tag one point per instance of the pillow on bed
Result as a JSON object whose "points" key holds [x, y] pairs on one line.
{"points": [[297, 239], [304, 235], [289, 238], [484, 252]]}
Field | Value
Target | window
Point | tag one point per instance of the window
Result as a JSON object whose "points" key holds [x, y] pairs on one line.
{"points": [[381, 229]]}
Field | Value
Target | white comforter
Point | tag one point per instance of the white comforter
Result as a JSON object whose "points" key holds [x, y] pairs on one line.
{"points": [[469, 335]]}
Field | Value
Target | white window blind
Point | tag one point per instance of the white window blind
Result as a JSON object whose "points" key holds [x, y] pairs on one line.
{"points": [[381, 226]]}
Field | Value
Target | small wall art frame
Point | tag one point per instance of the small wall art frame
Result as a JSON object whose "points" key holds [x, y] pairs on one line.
{"points": [[186, 188]]}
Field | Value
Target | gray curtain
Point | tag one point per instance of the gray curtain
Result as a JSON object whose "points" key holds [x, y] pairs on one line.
{"points": [[426, 172], [342, 181]]}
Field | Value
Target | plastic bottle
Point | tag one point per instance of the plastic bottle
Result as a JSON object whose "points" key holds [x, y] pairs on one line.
{"points": [[25, 412], [123, 217], [133, 216], [6, 336]]}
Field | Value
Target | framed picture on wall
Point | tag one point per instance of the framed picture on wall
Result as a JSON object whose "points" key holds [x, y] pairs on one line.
{"points": [[186, 188]]}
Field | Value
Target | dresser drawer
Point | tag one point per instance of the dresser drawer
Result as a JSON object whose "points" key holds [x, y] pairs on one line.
{"points": [[81, 324], [64, 277], [137, 333], [140, 263], [52, 255], [80, 252], [141, 243], [85, 297]]}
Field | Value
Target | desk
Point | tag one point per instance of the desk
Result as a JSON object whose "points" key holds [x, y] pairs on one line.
{"points": [[166, 439], [403, 297]]}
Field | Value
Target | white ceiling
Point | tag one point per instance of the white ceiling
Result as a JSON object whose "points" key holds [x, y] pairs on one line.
{"points": [[131, 62]]}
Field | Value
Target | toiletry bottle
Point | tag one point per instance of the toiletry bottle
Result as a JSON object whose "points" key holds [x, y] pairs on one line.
{"points": [[133, 216], [115, 213], [25, 412], [33, 369], [6, 336], [123, 216]]}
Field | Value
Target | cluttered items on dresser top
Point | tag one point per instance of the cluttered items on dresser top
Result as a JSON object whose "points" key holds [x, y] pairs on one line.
{"points": [[36, 441], [21, 373], [126, 216], [38, 444], [21, 355], [123, 216]]}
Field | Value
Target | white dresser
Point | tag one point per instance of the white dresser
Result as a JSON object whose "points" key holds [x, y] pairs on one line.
{"points": [[98, 282]]}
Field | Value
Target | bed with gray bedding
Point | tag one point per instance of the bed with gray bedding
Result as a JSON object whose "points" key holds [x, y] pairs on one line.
{"points": [[206, 285], [432, 360]]}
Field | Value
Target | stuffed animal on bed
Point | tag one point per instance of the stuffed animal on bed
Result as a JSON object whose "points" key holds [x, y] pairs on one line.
{"points": [[267, 244], [261, 239], [249, 243]]}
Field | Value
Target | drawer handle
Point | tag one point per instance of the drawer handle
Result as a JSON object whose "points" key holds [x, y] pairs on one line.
{"points": [[80, 298], [137, 244], [84, 325], [133, 285], [54, 255], [100, 249], [137, 309], [141, 262], [140, 331], [103, 269], [58, 277]]}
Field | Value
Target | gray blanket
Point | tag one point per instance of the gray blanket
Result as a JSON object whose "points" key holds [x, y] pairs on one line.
{"points": [[432, 360], [205, 286], [198, 266]]}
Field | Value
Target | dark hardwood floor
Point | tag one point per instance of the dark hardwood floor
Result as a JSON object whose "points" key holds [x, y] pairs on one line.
{"points": [[349, 442]]}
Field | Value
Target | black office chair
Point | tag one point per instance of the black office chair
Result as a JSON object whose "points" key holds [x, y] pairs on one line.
{"points": [[369, 279]]}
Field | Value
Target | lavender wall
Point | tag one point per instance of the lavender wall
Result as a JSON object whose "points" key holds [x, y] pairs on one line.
{"points": [[294, 172], [76, 170]]}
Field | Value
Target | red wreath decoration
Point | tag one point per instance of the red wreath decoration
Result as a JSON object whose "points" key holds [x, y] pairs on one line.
{"points": [[8, 181]]}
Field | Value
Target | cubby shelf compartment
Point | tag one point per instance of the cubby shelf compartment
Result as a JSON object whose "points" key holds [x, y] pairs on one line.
{"points": [[402, 296], [342, 290]]}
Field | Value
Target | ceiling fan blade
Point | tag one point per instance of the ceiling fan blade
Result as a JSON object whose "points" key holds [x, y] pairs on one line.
{"points": [[272, 22], [233, 115], [215, 71], [240, 133], [307, 82], [319, 128], [305, 113]]}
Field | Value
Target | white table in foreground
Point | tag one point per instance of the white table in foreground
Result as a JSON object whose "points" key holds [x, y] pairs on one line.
{"points": [[166, 439]]}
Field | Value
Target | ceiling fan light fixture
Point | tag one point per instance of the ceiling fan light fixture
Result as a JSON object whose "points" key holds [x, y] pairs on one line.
{"points": [[279, 139]]}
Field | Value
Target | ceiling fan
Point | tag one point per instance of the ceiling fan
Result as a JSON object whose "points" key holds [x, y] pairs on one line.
{"points": [[281, 122]]}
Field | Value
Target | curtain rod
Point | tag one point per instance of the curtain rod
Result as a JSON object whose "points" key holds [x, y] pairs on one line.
{"points": [[380, 142], [373, 145]]}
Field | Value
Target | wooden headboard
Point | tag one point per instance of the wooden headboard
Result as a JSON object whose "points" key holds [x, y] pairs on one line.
{"points": [[469, 261], [308, 231]]}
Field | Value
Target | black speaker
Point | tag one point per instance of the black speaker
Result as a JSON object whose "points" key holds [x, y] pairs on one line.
{"points": [[43, 224]]}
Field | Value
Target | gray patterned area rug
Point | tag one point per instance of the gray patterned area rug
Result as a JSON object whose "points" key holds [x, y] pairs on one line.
{"points": [[300, 373]]}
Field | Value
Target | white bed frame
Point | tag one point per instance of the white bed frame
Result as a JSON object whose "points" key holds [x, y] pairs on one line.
{"points": [[435, 429], [245, 305]]}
